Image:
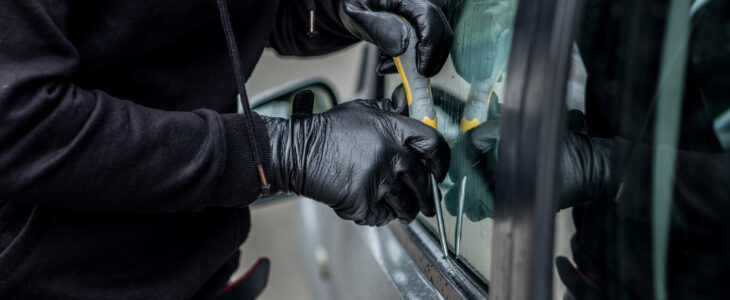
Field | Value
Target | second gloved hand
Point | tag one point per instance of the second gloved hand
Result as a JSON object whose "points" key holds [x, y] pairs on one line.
{"points": [[362, 158], [475, 157], [379, 22], [584, 167]]}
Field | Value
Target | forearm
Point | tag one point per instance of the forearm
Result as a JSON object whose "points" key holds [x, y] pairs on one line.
{"points": [[84, 150], [68, 147]]}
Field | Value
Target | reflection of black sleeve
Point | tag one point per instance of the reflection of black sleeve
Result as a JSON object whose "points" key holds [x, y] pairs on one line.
{"points": [[612, 245], [700, 222], [584, 169], [710, 62], [67, 147], [292, 24], [701, 186]]}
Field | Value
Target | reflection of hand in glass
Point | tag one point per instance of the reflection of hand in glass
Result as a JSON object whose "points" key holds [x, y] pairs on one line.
{"points": [[474, 157], [482, 35]]}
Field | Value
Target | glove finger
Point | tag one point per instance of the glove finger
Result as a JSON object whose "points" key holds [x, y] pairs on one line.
{"points": [[401, 200], [352, 210], [415, 176], [386, 65], [385, 215], [387, 105], [427, 144], [363, 209], [374, 214], [379, 214], [485, 137], [434, 34], [400, 102], [386, 30]]}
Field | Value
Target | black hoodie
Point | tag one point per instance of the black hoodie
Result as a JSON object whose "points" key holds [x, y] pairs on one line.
{"points": [[123, 172]]}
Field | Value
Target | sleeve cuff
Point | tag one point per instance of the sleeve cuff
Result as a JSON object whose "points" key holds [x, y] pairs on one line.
{"points": [[239, 184]]}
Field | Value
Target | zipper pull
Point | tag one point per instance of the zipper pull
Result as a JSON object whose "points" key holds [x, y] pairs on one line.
{"points": [[311, 33]]}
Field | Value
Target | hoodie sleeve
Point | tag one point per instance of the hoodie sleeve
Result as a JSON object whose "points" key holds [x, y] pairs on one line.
{"points": [[293, 23], [66, 147]]}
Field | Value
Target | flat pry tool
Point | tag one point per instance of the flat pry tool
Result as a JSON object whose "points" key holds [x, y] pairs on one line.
{"points": [[421, 107]]}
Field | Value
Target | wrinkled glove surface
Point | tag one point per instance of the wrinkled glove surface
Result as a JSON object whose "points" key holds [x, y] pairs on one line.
{"points": [[379, 22], [362, 158], [585, 169]]}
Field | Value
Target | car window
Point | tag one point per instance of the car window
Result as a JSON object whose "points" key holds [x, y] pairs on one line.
{"points": [[467, 93], [651, 132]]}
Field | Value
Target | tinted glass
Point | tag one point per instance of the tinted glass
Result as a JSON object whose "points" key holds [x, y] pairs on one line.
{"points": [[467, 93], [646, 159]]}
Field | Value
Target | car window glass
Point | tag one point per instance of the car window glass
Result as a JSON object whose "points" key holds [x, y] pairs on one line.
{"points": [[467, 93], [653, 219]]}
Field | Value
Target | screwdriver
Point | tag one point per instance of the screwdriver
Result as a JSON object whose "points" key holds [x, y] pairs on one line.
{"points": [[420, 107]]}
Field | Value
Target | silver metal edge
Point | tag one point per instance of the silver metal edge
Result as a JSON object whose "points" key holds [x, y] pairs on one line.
{"points": [[532, 115], [395, 262], [439, 216], [459, 218], [447, 275]]}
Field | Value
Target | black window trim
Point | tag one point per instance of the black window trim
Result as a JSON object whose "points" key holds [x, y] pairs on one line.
{"points": [[531, 131]]}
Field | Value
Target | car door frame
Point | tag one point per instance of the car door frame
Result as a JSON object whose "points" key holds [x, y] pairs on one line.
{"points": [[530, 144], [531, 135]]}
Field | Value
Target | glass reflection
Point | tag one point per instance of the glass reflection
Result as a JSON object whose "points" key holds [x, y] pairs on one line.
{"points": [[657, 92], [482, 36], [466, 93]]}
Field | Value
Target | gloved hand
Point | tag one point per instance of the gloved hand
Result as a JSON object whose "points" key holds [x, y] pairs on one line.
{"points": [[475, 157], [379, 22], [584, 170], [362, 158]]}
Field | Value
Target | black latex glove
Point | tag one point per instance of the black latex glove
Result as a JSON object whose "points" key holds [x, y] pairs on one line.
{"points": [[379, 22], [362, 158], [475, 157], [584, 170]]}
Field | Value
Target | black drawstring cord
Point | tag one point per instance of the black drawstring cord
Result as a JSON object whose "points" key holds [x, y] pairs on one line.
{"points": [[225, 17]]}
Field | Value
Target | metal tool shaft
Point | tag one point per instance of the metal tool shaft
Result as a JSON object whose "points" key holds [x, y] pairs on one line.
{"points": [[439, 215], [460, 217], [421, 107]]}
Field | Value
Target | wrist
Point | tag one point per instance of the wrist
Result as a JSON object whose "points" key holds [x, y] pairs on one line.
{"points": [[277, 129], [240, 172], [585, 169]]}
